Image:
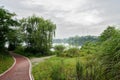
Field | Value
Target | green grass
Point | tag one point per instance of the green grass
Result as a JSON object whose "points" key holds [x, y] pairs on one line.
{"points": [[44, 70], [6, 61]]}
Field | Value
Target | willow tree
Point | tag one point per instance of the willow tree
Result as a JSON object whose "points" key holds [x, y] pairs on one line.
{"points": [[6, 23], [38, 33]]}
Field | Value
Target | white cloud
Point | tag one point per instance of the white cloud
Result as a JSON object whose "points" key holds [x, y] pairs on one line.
{"points": [[72, 17], [84, 18], [56, 4]]}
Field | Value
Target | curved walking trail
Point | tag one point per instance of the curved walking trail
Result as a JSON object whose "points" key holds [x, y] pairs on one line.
{"points": [[36, 61], [20, 69]]}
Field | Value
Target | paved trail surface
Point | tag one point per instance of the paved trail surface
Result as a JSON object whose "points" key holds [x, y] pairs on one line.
{"points": [[20, 70], [36, 61]]}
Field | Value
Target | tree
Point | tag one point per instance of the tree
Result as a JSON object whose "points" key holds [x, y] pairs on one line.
{"points": [[6, 23], [110, 57], [78, 41], [14, 39], [107, 33], [38, 33]]}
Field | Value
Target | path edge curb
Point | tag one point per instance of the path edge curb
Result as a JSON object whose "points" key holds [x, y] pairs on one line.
{"points": [[30, 69], [10, 67]]}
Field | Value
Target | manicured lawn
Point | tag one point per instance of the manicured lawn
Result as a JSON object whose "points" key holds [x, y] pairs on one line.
{"points": [[6, 61]]}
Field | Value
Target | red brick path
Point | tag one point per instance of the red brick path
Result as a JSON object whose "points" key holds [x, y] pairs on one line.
{"points": [[20, 71]]}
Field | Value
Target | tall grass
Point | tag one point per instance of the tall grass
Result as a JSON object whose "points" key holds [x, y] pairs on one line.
{"points": [[88, 71], [68, 69], [55, 68], [6, 61], [58, 72], [79, 70]]}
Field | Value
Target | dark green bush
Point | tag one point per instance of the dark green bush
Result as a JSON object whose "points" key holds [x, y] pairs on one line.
{"points": [[59, 49], [73, 52], [20, 49]]}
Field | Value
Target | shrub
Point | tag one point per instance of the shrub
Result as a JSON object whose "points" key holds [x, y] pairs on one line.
{"points": [[72, 52], [90, 48], [20, 49], [59, 49]]}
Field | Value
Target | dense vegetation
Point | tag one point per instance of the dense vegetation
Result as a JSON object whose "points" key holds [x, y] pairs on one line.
{"points": [[37, 34], [6, 61], [59, 69], [62, 51], [28, 35], [110, 48], [6, 26], [7, 22], [97, 60], [77, 41]]}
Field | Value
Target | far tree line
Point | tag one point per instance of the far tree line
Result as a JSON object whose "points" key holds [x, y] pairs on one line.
{"points": [[33, 32], [77, 40]]}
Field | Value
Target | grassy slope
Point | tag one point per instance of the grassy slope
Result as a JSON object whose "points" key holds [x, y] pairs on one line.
{"points": [[6, 61], [43, 70]]}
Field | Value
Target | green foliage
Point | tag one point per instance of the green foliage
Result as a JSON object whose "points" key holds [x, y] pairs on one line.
{"points": [[59, 69], [59, 49], [38, 34], [89, 71], [79, 70], [107, 55], [72, 52], [111, 56], [107, 33], [101, 60], [34, 32], [21, 50], [102, 56], [14, 39], [58, 72], [68, 69], [6, 61], [89, 48], [107, 51], [6, 24]]}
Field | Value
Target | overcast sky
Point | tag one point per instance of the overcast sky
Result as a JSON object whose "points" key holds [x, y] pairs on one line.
{"points": [[72, 17]]}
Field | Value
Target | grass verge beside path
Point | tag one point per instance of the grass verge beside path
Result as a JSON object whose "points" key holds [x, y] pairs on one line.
{"points": [[6, 61], [44, 70]]}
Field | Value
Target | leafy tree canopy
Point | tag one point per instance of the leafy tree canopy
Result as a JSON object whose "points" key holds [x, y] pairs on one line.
{"points": [[7, 21], [38, 33]]}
